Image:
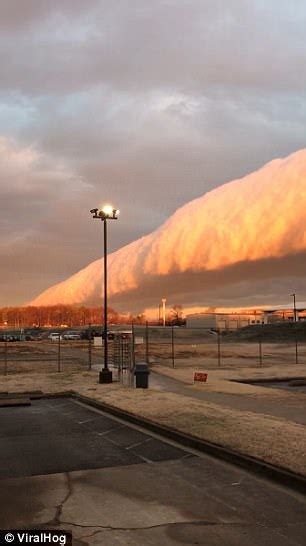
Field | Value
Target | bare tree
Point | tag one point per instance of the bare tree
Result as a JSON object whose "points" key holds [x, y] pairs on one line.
{"points": [[176, 315]]}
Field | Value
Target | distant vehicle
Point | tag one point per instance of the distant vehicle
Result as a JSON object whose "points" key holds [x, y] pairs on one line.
{"points": [[9, 336], [29, 337], [54, 336], [125, 334], [72, 335], [110, 335]]}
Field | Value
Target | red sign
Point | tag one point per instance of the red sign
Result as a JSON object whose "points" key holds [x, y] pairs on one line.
{"points": [[200, 376]]}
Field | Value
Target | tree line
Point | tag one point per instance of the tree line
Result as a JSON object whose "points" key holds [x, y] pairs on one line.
{"points": [[56, 315], [71, 315]]}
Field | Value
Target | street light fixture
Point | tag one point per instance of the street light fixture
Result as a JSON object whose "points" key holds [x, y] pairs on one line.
{"points": [[294, 307], [106, 213]]}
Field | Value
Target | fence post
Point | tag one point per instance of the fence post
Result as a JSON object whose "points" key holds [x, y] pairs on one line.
{"points": [[219, 347], [59, 353], [260, 350], [296, 349], [130, 361], [133, 347], [89, 347], [172, 345], [120, 356], [5, 355], [147, 342]]}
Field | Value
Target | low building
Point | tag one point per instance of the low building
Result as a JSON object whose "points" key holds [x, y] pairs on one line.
{"points": [[225, 321], [234, 320], [285, 313]]}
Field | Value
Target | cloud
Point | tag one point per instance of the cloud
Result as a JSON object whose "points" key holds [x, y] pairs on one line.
{"points": [[247, 230], [65, 46], [148, 105], [38, 201]]}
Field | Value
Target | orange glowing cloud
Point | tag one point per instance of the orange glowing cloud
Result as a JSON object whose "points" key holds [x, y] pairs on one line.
{"points": [[258, 217]]}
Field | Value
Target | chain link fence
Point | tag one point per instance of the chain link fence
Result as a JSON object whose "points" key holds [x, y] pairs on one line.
{"points": [[168, 346], [50, 352], [260, 345]]}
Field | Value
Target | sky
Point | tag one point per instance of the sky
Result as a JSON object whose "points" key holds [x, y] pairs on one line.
{"points": [[147, 105]]}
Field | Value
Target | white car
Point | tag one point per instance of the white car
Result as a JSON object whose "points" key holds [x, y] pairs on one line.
{"points": [[71, 335], [54, 336]]}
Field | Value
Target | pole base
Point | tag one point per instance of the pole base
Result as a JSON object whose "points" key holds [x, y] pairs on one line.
{"points": [[105, 376]]}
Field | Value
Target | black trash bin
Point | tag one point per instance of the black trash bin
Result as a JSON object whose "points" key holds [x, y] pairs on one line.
{"points": [[142, 375]]}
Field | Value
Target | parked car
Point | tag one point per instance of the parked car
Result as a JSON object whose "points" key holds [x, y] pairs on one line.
{"points": [[72, 335], [98, 333], [54, 336], [110, 335], [9, 337], [33, 334]]}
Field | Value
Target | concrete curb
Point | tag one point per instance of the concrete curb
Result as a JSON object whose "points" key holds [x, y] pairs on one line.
{"points": [[277, 474], [280, 475], [267, 380]]}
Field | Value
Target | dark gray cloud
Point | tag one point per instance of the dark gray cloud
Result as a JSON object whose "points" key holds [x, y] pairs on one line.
{"points": [[271, 280], [145, 104], [71, 46]]}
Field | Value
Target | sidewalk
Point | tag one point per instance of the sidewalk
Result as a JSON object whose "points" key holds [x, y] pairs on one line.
{"points": [[291, 406]]}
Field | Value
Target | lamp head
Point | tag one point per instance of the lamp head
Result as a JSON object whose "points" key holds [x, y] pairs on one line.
{"points": [[107, 210]]}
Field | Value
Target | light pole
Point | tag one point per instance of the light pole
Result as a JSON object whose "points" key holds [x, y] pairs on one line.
{"points": [[294, 307], [164, 311], [107, 213]]}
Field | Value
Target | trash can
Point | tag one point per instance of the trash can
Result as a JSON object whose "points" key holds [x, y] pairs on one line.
{"points": [[142, 375]]}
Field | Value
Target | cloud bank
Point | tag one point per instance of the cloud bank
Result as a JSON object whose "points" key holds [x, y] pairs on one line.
{"points": [[245, 230]]}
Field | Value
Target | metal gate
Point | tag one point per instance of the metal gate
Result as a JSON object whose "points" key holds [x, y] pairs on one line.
{"points": [[122, 357]]}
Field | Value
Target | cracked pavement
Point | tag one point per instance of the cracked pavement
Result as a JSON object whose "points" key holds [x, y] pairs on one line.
{"points": [[161, 496], [188, 501]]}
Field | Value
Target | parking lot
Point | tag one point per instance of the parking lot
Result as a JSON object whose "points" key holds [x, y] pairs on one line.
{"points": [[67, 466], [78, 437]]}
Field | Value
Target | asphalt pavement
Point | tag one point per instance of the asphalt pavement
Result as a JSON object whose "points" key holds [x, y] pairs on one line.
{"points": [[68, 466], [59, 435]]}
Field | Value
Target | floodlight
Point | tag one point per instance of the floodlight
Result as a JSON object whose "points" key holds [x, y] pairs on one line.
{"points": [[107, 210]]}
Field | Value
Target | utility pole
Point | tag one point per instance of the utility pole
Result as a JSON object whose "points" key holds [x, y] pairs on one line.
{"points": [[294, 307]]}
